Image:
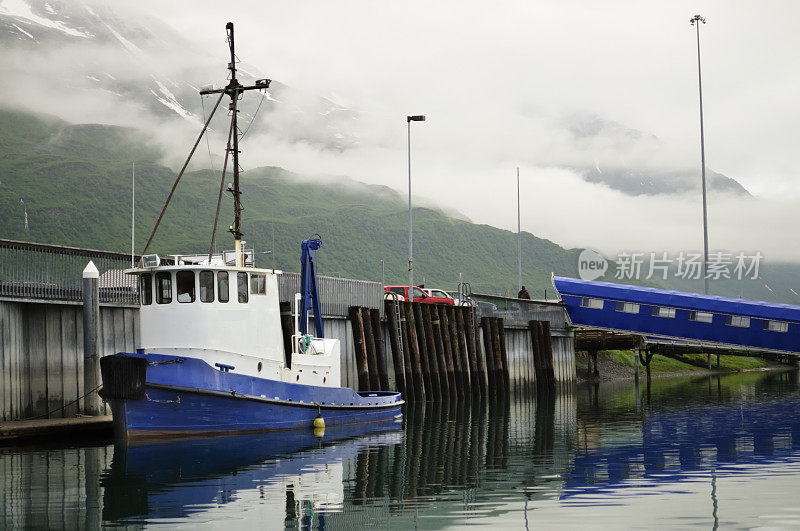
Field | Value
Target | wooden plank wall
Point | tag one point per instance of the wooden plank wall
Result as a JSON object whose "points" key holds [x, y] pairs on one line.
{"points": [[41, 354], [51, 375]]}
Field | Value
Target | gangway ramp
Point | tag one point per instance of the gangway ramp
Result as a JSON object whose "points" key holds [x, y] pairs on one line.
{"points": [[669, 317]]}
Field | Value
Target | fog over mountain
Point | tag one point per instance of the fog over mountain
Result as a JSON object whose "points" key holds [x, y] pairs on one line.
{"points": [[599, 113]]}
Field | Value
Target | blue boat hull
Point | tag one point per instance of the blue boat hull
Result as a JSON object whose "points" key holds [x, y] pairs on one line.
{"points": [[180, 397]]}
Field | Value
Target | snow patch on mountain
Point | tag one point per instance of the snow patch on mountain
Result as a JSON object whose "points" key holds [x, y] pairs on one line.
{"points": [[132, 48], [170, 101], [23, 31], [20, 9]]}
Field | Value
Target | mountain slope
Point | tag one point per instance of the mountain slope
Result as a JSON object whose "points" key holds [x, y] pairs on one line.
{"points": [[75, 182]]}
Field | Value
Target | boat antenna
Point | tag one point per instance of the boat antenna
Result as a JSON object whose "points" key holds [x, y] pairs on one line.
{"points": [[234, 90]]}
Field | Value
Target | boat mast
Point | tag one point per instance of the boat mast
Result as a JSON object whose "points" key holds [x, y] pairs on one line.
{"points": [[234, 89]]}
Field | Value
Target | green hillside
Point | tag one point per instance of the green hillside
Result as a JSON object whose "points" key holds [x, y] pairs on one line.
{"points": [[75, 181]]}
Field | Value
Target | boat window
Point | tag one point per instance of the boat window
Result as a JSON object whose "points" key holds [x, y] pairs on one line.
{"points": [[701, 317], [419, 294], [223, 294], [146, 288], [627, 307], [258, 284], [737, 320], [399, 291], [663, 311], [776, 326], [241, 284], [184, 281], [164, 287], [595, 304], [206, 286]]}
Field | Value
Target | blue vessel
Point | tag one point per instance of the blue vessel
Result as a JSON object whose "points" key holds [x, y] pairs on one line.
{"points": [[216, 356], [677, 315]]}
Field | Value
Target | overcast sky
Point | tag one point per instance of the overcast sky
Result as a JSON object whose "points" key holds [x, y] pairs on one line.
{"points": [[501, 81]]}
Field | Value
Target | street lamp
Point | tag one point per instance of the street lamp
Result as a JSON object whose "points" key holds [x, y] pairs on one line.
{"points": [[409, 119], [695, 21], [519, 241]]}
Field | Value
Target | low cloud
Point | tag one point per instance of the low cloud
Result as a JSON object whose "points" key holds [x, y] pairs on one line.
{"points": [[553, 88]]}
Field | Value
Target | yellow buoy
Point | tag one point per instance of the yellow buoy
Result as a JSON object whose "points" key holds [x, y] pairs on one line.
{"points": [[319, 432], [319, 422]]}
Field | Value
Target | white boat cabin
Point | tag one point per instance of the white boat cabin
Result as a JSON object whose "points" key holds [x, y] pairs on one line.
{"points": [[230, 318]]}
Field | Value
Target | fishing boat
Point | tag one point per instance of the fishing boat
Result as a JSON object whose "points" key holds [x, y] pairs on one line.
{"points": [[216, 358]]}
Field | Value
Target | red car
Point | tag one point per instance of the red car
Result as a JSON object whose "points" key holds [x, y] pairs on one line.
{"points": [[419, 295]]}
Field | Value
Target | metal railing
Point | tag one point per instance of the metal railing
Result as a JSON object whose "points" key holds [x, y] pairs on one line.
{"points": [[53, 272], [518, 312], [337, 295]]}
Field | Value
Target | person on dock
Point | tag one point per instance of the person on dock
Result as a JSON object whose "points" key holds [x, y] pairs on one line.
{"points": [[523, 294]]}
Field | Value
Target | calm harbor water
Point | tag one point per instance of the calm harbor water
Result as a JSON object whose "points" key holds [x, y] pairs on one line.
{"points": [[708, 452]]}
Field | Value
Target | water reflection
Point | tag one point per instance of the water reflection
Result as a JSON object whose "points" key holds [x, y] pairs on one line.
{"points": [[296, 473], [695, 426], [592, 454]]}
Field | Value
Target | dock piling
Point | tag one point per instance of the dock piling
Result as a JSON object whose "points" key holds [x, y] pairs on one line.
{"points": [[469, 332], [91, 332], [413, 349], [359, 347], [430, 347], [380, 348], [438, 344], [444, 327], [501, 332], [423, 350], [392, 318], [407, 364], [488, 348], [369, 342]]}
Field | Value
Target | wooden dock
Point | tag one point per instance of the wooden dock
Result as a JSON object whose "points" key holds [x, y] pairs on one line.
{"points": [[55, 430]]}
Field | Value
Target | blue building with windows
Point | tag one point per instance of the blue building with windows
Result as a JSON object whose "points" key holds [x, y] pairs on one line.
{"points": [[680, 315]]}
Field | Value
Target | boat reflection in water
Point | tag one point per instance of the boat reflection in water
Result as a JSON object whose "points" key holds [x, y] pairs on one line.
{"points": [[702, 429], [297, 474]]}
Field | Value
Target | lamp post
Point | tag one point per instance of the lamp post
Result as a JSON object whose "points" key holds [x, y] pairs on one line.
{"points": [[695, 21], [409, 119], [519, 240]]}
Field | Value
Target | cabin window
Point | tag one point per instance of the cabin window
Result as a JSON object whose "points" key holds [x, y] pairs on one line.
{"points": [[399, 291], [627, 307], [663, 311], [258, 284], [241, 284], [146, 288], [164, 287], [737, 320], [595, 304], [223, 293], [701, 317], [206, 286], [184, 281], [776, 326]]}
